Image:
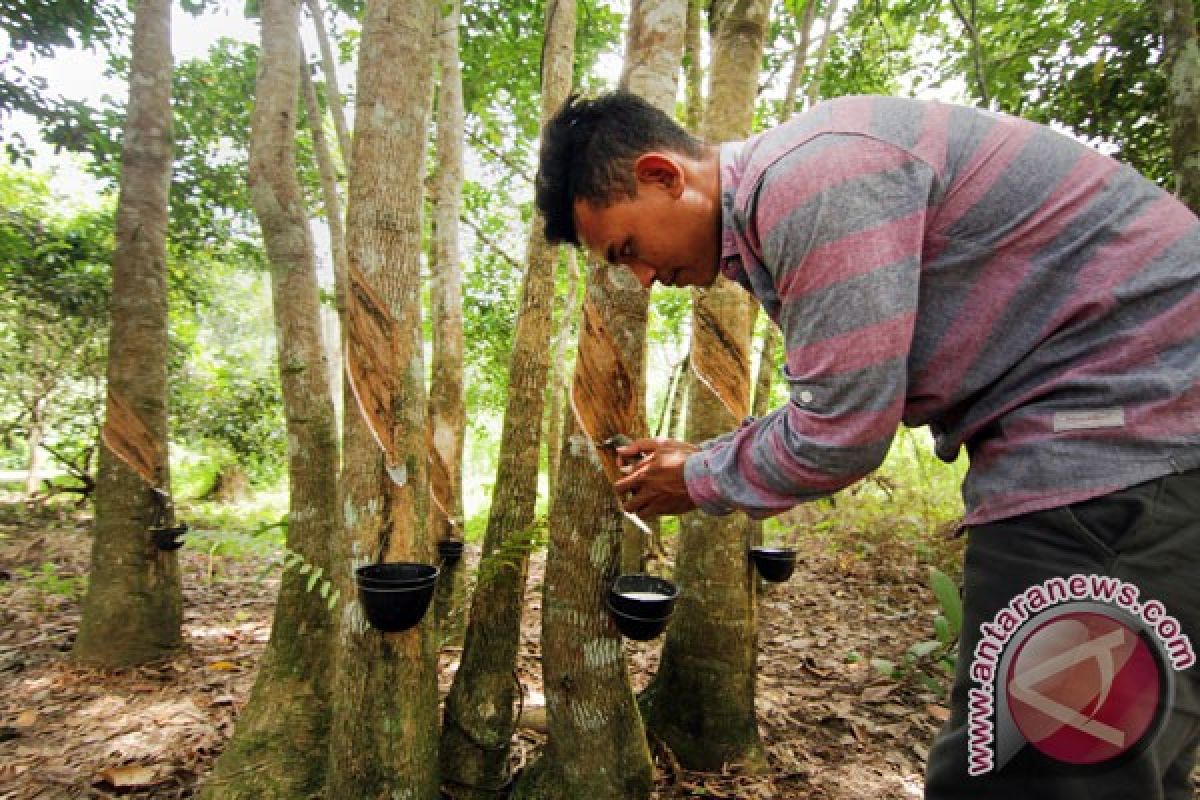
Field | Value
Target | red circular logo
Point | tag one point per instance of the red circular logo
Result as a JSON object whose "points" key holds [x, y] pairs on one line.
{"points": [[1084, 688]]}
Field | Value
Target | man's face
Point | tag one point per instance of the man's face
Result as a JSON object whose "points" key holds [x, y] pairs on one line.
{"points": [[666, 233]]}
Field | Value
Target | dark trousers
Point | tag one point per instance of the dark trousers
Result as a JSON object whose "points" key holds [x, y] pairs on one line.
{"points": [[1147, 536]]}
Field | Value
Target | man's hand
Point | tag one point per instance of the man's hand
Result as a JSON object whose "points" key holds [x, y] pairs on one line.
{"points": [[656, 485]]}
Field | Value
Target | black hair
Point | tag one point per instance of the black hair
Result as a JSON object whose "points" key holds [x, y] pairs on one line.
{"points": [[588, 151]]}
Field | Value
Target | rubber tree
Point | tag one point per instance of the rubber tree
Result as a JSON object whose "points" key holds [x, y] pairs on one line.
{"points": [[772, 339], [332, 204], [279, 747], [597, 746], [447, 412], [383, 735], [701, 702], [478, 720], [557, 405], [1181, 60], [133, 610]]}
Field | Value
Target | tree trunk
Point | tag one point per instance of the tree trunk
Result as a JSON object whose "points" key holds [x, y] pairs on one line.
{"points": [[653, 54], [597, 746], [814, 79], [763, 381], [772, 337], [383, 737], [332, 93], [278, 749], [447, 414], [133, 610], [37, 431], [679, 402], [701, 702], [478, 718], [337, 232], [799, 61], [556, 404], [1181, 60], [693, 70]]}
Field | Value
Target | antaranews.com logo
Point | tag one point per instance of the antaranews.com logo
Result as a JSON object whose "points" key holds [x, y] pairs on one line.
{"points": [[1078, 668]]}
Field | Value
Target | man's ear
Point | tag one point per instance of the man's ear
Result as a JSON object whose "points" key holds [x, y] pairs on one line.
{"points": [[660, 169]]}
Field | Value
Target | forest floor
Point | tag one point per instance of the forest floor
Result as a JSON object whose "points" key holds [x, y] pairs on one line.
{"points": [[834, 727]]}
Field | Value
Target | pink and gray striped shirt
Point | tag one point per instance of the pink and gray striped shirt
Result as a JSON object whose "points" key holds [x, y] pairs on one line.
{"points": [[1023, 295]]}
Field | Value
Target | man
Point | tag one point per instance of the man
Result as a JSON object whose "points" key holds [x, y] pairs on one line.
{"points": [[1025, 297]]}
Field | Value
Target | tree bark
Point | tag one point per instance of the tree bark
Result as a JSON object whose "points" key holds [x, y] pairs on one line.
{"points": [[814, 80], [332, 92], [556, 404], [693, 70], [679, 403], [33, 439], [278, 749], [447, 413], [133, 610], [333, 218], [1181, 60], [701, 702], [383, 738], [478, 717], [799, 61], [597, 746]]}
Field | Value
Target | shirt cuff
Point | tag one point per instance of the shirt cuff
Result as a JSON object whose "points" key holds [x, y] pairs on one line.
{"points": [[702, 485]]}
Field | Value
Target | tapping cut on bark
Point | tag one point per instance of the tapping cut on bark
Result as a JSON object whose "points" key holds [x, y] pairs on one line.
{"points": [[725, 369], [441, 485], [604, 392], [127, 436], [371, 365]]}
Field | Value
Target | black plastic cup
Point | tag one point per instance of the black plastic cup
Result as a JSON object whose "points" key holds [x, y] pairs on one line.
{"points": [[642, 595], [450, 550], [396, 596], [395, 575], [774, 564], [169, 538], [640, 629]]}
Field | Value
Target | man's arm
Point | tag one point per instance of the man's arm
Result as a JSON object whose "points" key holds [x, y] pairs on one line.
{"points": [[839, 224]]}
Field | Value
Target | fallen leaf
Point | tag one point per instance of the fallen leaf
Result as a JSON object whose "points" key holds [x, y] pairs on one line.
{"points": [[223, 665], [26, 719], [940, 713], [874, 694], [131, 776]]}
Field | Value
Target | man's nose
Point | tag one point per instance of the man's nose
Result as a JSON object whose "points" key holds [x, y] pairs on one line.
{"points": [[644, 273]]}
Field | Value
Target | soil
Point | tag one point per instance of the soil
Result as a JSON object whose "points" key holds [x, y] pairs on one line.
{"points": [[835, 728]]}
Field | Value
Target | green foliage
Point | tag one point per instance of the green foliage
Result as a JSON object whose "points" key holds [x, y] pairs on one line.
{"points": [[922, 661], [38, 29], [242, 417], [491, 295], [871, 52], [316, 577], [1092, 67], [237, 532], [1107, 84], [226, 400], [210, 210], [47, 580], [907, 505], [515, 548], [54, 287]]}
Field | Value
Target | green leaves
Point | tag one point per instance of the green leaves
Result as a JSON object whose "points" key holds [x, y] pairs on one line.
{"points": [[316, 577], [946, 592], [921, 657]]}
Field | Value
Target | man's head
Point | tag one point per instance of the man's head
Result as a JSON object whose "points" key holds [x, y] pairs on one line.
{"points": [[621, 178]]}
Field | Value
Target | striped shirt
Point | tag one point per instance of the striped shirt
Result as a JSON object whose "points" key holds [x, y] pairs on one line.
{"points": [[1023, 295]]}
